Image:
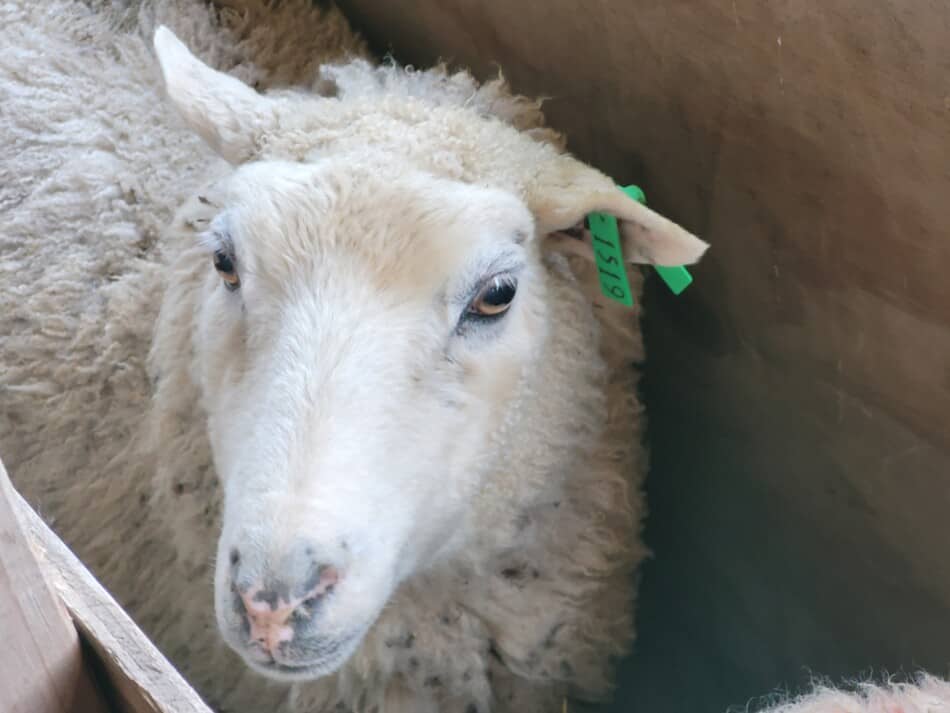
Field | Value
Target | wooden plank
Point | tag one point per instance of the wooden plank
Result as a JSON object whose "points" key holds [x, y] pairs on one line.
{"points": [[41, 663], [141, 679]]}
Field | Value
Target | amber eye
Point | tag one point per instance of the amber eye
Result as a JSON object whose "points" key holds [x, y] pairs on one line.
{"points": [[494, 298], [225, 267]]}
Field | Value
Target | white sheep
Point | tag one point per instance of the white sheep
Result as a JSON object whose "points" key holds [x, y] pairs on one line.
{"points": [[373, 331], [423, 417], [425, 433]]}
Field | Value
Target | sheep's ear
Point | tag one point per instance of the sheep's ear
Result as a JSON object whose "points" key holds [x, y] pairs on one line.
{"points": [[565, 190], [224, 111]]}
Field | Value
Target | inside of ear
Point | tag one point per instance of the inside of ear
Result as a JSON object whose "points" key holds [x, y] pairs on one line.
{"points": [[641, 244], [647, 237], [562, 192]]}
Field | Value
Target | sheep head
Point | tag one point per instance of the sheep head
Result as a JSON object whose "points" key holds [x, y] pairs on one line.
{"points": [[373, 306]]}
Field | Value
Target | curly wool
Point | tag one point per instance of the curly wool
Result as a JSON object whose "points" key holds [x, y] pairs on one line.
{"points": [[91, 180], [116, 457], [927, 694]]}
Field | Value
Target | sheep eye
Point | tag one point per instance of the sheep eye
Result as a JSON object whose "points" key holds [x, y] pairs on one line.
{"points": [[225, 267], [494, 298]]}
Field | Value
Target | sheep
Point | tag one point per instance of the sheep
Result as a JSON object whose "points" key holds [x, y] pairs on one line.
{"points": [[383, 339], [414, 481], [920, 694], [119, 419]]}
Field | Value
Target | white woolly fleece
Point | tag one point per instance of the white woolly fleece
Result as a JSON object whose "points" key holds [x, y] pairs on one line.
{"points": [[93, 169], [109, 442], [925, 695]]}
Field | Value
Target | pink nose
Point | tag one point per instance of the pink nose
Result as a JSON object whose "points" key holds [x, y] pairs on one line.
{"points": [[271, 616]]}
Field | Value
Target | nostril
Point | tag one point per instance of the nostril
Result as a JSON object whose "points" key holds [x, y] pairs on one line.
{"points": [[235, 557], [304, 612], [329, 576], [319, 584]]}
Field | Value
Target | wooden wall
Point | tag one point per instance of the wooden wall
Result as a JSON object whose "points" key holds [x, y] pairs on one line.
{"points": [[800, 391]]}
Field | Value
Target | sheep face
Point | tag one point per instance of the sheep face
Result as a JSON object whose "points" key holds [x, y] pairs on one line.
{"points": [[359, 336], [373, 296]]}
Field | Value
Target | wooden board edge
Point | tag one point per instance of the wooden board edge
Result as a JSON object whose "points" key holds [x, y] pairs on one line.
{"points": [[144, 679], [42, 666]]}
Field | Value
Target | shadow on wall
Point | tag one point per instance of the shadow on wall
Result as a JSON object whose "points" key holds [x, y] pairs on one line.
{"points": [[799, 391], [796, 495]]}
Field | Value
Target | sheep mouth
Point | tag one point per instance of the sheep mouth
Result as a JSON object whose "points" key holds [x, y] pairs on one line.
{"points": [[295, 672], [331, 657]]}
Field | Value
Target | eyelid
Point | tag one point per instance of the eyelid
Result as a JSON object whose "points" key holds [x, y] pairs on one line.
{"points": [[498, 270], [217, 237], [223, 244], [497, 280]]}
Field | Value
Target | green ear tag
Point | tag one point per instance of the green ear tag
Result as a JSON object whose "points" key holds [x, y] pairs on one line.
{"points": [[608, 255], [676, 278], [609, 258]]}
